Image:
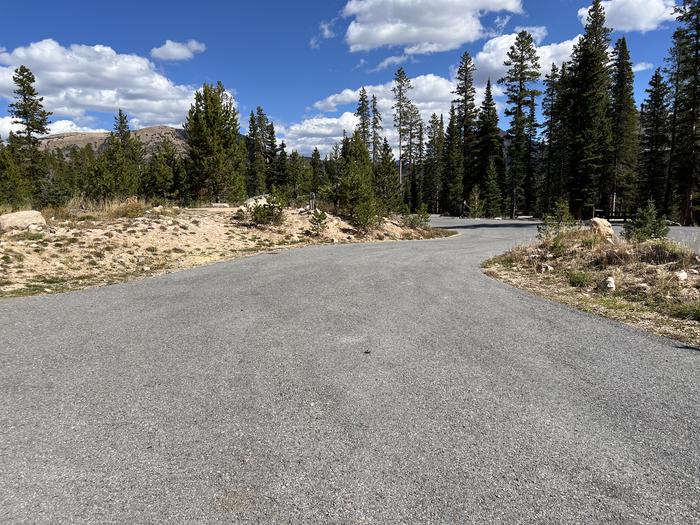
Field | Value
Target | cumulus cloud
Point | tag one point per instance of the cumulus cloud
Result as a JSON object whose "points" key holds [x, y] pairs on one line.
{"points": [[635, 15], [390, 61], [489, 61], [326, 32], [178, 50], [642, 66], [419, 26], [79, 79]]}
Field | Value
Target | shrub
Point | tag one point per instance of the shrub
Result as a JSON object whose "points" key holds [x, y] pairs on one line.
{"points": [[558, 220], [270, 213], [420, 219], [647, 225], [366, 217], [689, 311], [579, 279], [319, 222]]}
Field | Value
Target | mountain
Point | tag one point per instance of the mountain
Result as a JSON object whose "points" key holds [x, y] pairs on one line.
{"points": [[149, 136]]}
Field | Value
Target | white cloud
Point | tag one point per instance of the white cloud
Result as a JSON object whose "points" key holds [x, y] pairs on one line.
{"points": [[419, 26], [326, 32], [539, 33], [642, 66], [55, 128], [79, 79], [634, 15], [178, 50], [489, 61], [6, 126], [390, 61]]}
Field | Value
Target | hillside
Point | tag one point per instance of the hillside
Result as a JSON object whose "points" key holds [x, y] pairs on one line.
{"points": [[149, 136]]}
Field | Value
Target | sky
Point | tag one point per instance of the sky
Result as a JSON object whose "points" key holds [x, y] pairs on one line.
{"points": [[303, 62]]}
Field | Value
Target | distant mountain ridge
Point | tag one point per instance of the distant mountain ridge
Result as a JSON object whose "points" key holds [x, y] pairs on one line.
{"points": [[150, 137]]}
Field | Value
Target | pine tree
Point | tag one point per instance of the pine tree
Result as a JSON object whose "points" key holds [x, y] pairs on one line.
{"points": [[655, 144], [414, 128], [257, 163], [590, 160], [217, 155], [452, 187], [376, 130], [28, 112], [282, 179], [166, 177], [489, 140], [402, 109], [318, 172], [686, 162], [122, 162], [386, 179], [364, 116], [523, 70], [619, 192], [555, 171], [493, 201], [434, 163], [531, 184], [300, 175], [355, 193], [466, 112]]}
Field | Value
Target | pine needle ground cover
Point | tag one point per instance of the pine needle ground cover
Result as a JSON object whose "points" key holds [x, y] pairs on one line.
{"points": [[655, 284], [124, 240]]}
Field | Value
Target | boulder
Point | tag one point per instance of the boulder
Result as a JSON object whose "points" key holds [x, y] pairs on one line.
{"points": [[608, 284], [682, 276], [602, 227], [21, 220], [259, 200]]}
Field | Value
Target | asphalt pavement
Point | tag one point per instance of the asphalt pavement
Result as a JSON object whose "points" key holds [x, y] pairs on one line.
{"points": [[366, 383]]}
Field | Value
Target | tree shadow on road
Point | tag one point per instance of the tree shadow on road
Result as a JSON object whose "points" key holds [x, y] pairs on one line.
{"points": [[688, 347], [489, 225]]}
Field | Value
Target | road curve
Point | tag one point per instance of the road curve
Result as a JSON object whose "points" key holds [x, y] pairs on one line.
{"points": [[375, 383]]}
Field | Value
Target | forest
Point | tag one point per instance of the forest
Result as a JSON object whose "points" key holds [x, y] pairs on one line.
{"points": [[574, 136]]}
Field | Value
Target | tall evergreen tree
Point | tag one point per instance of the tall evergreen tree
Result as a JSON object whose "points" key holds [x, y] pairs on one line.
{"points": [[452, 187], [122, 162], [523, 70], [318, 172], [466, 112], [386, 179], [27, 111], [257, 163], [376, 130], [364, 116], [217, 155], [402, 112], [625, 137], [686, 162], [655, 142], [489, 140], [434, 163], [493, 201], [590, 160]]}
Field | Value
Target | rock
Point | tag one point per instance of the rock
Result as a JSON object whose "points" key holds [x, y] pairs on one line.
{"points": [[608, 284], [602, 227], [682, 276], [694, 271], [545, 268], [21, 220], [258, 200], [220, 205], [146, 269]]}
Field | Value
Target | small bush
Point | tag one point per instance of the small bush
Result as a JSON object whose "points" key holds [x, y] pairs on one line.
{"points": [[418, 220], [366, 217], [270, 213], [240, 215], [647, 225], [579, 279], [319, 222], [557, 221], [690, 311]]}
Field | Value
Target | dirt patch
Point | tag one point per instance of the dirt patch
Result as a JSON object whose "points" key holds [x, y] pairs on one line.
{"points": [[84, 251], [656, 284]]}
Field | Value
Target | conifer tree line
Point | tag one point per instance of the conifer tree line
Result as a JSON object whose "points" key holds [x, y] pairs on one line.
{"points": [[573, 134]]}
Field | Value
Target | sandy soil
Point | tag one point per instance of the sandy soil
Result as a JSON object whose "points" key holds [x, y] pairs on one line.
{"points": [[72, 254]]}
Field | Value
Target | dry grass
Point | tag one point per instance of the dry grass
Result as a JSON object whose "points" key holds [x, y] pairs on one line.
{"points": [[96, 243], [572, 265]]}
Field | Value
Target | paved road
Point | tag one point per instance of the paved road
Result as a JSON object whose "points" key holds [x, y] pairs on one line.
{"points": [[242, 392]]}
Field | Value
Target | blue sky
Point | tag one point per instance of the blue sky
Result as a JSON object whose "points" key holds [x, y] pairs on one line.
{"points": [[302, 61]]}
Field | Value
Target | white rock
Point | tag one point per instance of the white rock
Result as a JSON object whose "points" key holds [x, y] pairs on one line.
{"points": [[545, 268], [608, 284], [602, 227], [694, 271], [219, 205], [681, 276], [259, 200], [21, 220], [146, 268]]}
